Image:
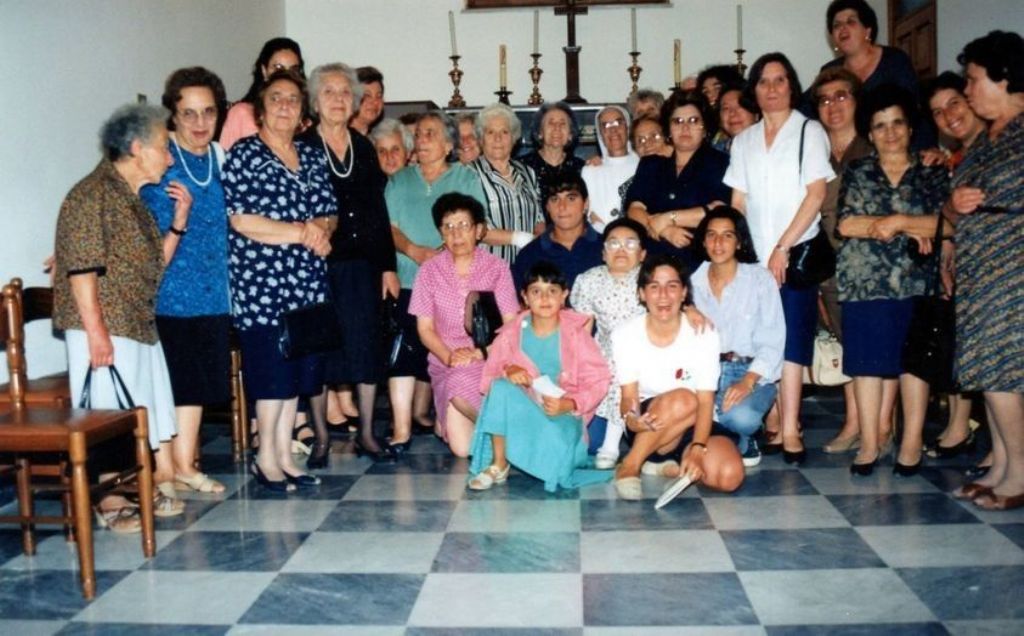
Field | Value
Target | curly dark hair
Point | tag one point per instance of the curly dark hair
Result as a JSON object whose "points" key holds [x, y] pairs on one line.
{"points": [[1001, 54], [694, 98], [757, 70], [865, 14], [628, 223], [726, 74], [286, 75], [194, 76], [453, 202], [878, 99], [270, 47], [745, 252], [538, 121]]}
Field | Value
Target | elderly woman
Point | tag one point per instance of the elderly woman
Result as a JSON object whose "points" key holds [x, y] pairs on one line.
{"points": [[511, 191], [109, 261], [778, 169], [277, 54], [668, 373], [648, 139], [192, 313], [410, 196], [669, 195], [371, 105], [554, 135], [281, 205], [987, 206], [605, 180], [736, 113], [468, 146], [645, 101], [887, 199], [835, 92], [439, 304], [361, 265], [393, 143]]}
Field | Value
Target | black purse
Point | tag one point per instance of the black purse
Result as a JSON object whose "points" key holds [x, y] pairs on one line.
{"points": [[813, 261], [121, 394], [307, 330], [930, 347], [483, 318]]}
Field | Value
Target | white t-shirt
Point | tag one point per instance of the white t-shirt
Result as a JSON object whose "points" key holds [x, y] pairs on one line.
{"points": [[770, 179], [690, 362]]}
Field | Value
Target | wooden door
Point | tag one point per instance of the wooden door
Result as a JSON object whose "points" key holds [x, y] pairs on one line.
{"points": [[912, 28]]}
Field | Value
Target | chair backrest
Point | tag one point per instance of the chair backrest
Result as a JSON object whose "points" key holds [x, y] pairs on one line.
{"points": [[13, 336], [36, 303]]}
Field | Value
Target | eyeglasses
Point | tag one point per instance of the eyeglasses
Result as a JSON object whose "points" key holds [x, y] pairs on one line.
{"points": [[688, 122], [615, 123], [630, 245], [282, 67], [292, 101], [452, 228], [838, 97], [643, 140], [190, 116]]}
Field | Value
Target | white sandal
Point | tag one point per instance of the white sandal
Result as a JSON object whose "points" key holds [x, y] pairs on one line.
{"points": [[488, 477]]}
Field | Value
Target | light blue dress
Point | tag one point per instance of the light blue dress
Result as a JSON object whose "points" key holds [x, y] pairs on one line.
{"points": [[551, 449]]}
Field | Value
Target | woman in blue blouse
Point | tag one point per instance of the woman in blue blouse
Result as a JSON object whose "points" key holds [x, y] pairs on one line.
{"points": [[280, 205], [192, 313], [886, 199]]}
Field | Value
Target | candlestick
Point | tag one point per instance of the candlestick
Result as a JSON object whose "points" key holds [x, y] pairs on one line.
{"points": [[634, 71], [503, 94], [739, 26], [677, 69], [632, 25], [740, 66], [451, 32], [456, 74], [502, 69], [535, 73], [536, 32]]}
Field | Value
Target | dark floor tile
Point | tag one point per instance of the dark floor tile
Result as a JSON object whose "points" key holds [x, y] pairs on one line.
{"points": [[1013, 531], [491, 631], [665, 599], [945, 478], [331, 487], [886, 629], [616, 514], [810, 549], [421, 464], [140, 629], [384, 516], [10, 540], [509, 552], [228, 551], [968, 592], [763, 483], [817, 458], [900, 509], [521, 486], [336, 599], [218, 463], [48, 594]]}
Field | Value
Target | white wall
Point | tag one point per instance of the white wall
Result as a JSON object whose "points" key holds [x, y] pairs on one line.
{"points": [[66, 65], [960, 21]]}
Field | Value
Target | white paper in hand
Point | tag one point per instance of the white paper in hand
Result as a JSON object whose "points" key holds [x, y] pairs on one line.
{"points": [[546, 388]]}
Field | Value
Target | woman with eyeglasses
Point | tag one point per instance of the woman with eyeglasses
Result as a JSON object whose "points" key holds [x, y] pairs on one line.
{"points": [[277, 54], [648, 139], [670, 195], [606, 180], [193, 316], [438, 301]]}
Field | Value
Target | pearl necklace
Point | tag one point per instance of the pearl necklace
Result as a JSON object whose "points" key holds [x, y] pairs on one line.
{"points": [[347, 157], [184, 164]]}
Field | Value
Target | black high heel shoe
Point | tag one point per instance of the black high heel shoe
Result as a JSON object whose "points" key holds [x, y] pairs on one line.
{"points": [[319, 456], [906, 470], [385, 454], [864, 470], [965, 446], [400, 449], [303, 481], [270, 484]]}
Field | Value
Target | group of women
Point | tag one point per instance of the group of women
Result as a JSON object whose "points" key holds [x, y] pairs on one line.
{"points": [[701, 325]]}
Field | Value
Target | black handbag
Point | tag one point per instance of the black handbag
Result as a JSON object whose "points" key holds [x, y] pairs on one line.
{"points": [[393, 332], [121, 394], [813, 261], [930, 347], [483, 318], [307, 330]]}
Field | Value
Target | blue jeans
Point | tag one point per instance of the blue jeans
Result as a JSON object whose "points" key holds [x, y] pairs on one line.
{"points": [[743, 419]]}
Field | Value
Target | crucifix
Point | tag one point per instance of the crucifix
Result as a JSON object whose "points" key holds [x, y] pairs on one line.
{"points": [[572, 52]]}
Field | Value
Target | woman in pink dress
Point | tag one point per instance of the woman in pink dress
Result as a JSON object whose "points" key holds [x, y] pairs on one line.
{"points": [[439, 304]]}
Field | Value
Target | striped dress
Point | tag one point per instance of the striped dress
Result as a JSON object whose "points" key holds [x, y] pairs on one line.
{"points": [[514, 206], [990, 265]]}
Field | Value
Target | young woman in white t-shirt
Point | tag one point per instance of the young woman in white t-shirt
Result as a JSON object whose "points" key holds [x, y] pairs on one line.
{"points": [[668, 373]]}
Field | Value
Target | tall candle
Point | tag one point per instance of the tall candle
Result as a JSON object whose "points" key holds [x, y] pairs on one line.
{"points": [[739, 26], [502, 71], [632, 24], [451, 32], [536, 32], [677, 62]]}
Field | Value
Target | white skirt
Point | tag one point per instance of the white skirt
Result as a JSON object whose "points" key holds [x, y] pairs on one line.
{"points": [[144, 371]]}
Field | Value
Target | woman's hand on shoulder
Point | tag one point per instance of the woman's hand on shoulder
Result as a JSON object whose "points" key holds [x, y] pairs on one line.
{"points": [[421, 254], [518, 375], [697, 321]]}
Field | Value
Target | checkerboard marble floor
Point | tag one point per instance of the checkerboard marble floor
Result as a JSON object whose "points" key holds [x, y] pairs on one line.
{"points": [[405, 549]]}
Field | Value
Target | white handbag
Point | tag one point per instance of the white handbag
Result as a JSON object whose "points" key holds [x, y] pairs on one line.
{"points": [[827, 367]]}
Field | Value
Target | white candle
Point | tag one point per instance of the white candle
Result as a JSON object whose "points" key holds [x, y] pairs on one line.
{"points": [[451, 32], [739, 26], [677, 68], [632, 24], [502, 70], [536, 32]]}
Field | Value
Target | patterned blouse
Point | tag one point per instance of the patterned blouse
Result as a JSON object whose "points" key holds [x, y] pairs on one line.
{"points": [[269, 279], [104, 227], [868, 269], [514, 207]]}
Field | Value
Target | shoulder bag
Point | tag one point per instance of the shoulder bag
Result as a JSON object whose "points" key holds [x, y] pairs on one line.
{"points": [[483, 318], [930, 347], [813, 261], [307, 330]]}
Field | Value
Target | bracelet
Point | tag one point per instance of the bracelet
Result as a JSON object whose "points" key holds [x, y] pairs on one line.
{"points": [[672, 218], [784, 250], [701, 444], [181, 232]]}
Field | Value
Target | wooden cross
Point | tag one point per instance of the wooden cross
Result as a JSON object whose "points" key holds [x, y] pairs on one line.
{"points": [[572, 52]]}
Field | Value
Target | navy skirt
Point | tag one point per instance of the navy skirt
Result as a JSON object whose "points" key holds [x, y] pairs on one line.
{"points": [[269, 375], [800, 310], [873, 335]]}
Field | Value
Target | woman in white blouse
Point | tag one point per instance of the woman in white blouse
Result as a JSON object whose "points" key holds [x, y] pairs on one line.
{"points": [[778, 169]]}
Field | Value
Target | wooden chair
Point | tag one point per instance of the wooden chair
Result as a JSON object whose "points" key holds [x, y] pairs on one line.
{"points": [[36, 304], [31, 430]]}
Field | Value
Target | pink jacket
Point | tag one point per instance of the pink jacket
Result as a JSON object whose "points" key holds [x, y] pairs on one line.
{"points": [[585, 375]]}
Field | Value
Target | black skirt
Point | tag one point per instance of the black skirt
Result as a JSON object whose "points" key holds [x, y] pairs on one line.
{"points": [[355, 289], [198, 358]]}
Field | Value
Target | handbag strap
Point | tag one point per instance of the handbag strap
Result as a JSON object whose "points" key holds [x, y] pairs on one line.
{"points": [[800, 155], [935, 282], [121, 394], [85, 400]]}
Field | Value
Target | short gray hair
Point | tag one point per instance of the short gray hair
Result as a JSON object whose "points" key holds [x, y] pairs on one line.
{"points": [[499, 110], [128, 123], [317, 76], [448, 125], [645, 95], [391, 126]]}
